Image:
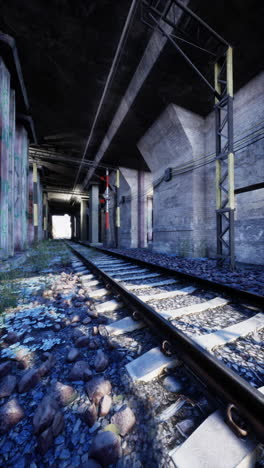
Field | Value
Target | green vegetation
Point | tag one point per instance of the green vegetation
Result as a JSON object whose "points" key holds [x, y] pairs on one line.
{"points": [[41, 257], [8, 292]]}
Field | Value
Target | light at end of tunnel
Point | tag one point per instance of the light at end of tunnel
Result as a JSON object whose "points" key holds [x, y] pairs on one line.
{"points": [[61, 227]]}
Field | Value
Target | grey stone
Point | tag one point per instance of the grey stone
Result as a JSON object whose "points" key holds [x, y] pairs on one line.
{"points": [[172, 384], [88, 413], [106, 448], [7, 386], [72, 355], [82, 342], [97, 388], [80, 371], [5, 367], [10, 414], [105, 405], [29, 379], [44, 414], [101, 361], [65, 394], [124, 419]]}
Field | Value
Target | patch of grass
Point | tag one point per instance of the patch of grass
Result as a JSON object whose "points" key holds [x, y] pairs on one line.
{"points": [[8, 292], [40, 256]]}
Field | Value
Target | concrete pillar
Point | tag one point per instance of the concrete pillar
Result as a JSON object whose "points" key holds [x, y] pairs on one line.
{"points": [[93, 213], [72, 226], [21, 188], [45, 221], [12, 132], [78, 226], [35, 201], [83, 220], [30, 207], [4, 155], [24, 187], [141, 210], [40, 210]]}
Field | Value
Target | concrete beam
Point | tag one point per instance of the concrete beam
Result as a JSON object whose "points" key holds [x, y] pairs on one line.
{"points": [[148, 60]]}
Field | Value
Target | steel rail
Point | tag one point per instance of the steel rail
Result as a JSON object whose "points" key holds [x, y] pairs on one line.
{"points": [[231, 291], [221, 380]]}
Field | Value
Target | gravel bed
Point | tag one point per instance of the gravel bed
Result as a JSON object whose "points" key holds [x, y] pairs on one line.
{"points": [[179, 301], [246, 357], [246, 277], [49, 322], [210, 321], [156, 290]]}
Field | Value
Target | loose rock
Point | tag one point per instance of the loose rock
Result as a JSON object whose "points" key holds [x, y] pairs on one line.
{"points": [[106, 448], [57, 424], [172, 385], [65, 394], [45, 441], [80, 371], [72, 355], [10, 414], [97, 388], [86, 320], [7, 386], [124, 419], [82, 342], [44, 414], [29, 380], [101, 361], [105, 405], [12, 338], [5, 367], [88, 413]]}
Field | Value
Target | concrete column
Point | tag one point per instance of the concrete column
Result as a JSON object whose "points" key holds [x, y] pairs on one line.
{"points": [[83, 220], [94, 213], [21, 188], [78, 226], [45, 221], [24, 187], [30, 207], [72, 226], [141, 210], [35, 201], [12, 132], [40, 210], [4, 155]]}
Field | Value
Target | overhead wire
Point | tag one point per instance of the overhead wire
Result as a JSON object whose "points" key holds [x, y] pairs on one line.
{"points": [[113, 68], [201, 161]]}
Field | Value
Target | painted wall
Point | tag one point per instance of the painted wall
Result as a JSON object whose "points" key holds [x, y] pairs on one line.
{"points": [[13, 172]]}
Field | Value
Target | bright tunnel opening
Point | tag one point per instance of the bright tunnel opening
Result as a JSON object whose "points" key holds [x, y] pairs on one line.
{"points": [[61, 227]]}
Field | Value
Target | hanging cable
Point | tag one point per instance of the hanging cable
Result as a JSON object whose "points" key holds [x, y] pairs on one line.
{"points": [[107, 84]]}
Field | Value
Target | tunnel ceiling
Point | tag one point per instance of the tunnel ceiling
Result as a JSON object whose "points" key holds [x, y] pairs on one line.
{"points": [[66, 49]]}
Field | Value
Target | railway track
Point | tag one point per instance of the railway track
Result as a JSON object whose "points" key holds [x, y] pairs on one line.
{"points": [[206, 326]]}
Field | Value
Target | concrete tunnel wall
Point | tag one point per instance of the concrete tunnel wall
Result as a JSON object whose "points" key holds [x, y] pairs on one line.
{"points": [[134, 188], [184, 207], [15, 182]]}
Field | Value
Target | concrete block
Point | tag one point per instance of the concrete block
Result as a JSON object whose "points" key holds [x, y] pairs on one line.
{"points": [[150, 365], [213, 444]]}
